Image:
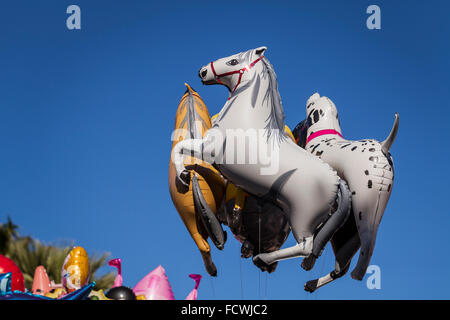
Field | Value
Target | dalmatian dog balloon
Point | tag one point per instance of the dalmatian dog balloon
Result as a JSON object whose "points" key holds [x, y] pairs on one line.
{"points": [[368, 168]]}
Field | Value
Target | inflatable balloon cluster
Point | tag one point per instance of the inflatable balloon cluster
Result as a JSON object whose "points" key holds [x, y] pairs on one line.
{"points": [[74, 287], [154, 286], [75, 284], [315, 183]]}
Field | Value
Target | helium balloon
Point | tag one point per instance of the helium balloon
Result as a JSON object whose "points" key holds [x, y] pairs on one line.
{"points": [[156, 286], [198, 206], [368, 168], [194, 293], [75, 270], [17, 280], [7, 294], [117, 263], [120, 293], [41, 282], [303, 186], [197, 203], [5, 283]]}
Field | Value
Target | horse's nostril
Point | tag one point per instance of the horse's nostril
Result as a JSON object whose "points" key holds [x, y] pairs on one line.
{"points": [[203, 73]]}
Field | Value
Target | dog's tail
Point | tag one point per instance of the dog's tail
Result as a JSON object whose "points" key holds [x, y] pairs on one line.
{"points": [[386, 144]]}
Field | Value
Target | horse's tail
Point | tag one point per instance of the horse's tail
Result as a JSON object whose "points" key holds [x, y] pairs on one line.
{"points": [[337, 219]]}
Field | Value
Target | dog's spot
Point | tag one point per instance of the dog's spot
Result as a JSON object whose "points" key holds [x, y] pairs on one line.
{"points": [[316, 116], [363, 150], [366, 172], [374, 159], [315, 147], [319, 153], [345, 145], [353, 192], [372, 149], [353, 149], [321, 112], [369, 184]]}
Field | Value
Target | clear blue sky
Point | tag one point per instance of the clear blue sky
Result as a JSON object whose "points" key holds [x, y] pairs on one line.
{"points": [[86, 118]]}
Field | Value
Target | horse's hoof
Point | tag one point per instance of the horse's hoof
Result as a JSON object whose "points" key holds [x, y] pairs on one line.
{"points": [[272, 267], [309, 262], [185, 177], [212, 270], [311, 286], [183, 181], [260, 263], [246, 249]]}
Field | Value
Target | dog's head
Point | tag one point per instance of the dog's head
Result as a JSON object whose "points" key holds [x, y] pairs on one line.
{"points": [[321, 114]]}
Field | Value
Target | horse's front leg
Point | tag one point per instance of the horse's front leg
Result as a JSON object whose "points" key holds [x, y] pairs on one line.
{"points": [[191, 147]]}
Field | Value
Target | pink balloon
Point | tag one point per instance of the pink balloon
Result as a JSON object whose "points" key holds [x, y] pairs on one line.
{"points": [[117, 263], [193, 294], [41, 282], [155, 286]]}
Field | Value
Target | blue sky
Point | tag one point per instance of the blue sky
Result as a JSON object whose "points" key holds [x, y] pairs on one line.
{"points": [[86, 118]]}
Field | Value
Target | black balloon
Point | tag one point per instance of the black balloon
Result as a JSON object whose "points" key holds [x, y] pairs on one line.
{"points": [[121, 293]]}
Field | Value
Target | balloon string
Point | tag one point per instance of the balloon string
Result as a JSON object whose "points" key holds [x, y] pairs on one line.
{"points": [[265, 290], [259, 249], [212, 287], [240, 272]]}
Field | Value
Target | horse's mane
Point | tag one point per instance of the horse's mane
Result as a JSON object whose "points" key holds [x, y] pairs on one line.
{"points": [[275, 120], [192, 117]]}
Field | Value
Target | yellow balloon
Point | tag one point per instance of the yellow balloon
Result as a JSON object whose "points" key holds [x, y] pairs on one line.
{"points": [[75, 270]]}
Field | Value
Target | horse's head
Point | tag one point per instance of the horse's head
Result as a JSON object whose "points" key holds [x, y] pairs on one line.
{"points": [[232, 70]]}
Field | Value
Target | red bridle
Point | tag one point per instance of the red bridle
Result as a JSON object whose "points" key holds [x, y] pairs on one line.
{"points": [[240, 71]]}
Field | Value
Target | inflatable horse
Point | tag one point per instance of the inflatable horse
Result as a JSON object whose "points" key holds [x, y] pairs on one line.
{"points": [[274, 168], [368, 168], [198, 203], [260, 227]]}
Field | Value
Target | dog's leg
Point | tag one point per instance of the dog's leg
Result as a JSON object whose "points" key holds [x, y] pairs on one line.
{"points": [[344, 256]]}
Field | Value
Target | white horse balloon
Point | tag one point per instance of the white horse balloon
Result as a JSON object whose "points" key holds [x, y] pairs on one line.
{"points": [[248, 145]]}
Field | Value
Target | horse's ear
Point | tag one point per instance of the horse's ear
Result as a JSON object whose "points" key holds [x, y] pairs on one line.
{"points": [[259, 51]]}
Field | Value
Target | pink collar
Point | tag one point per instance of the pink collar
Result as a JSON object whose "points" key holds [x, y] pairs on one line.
{"points": [[321, 133]]}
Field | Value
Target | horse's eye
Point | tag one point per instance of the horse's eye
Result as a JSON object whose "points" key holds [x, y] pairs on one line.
{"points": [[233, 62]]}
